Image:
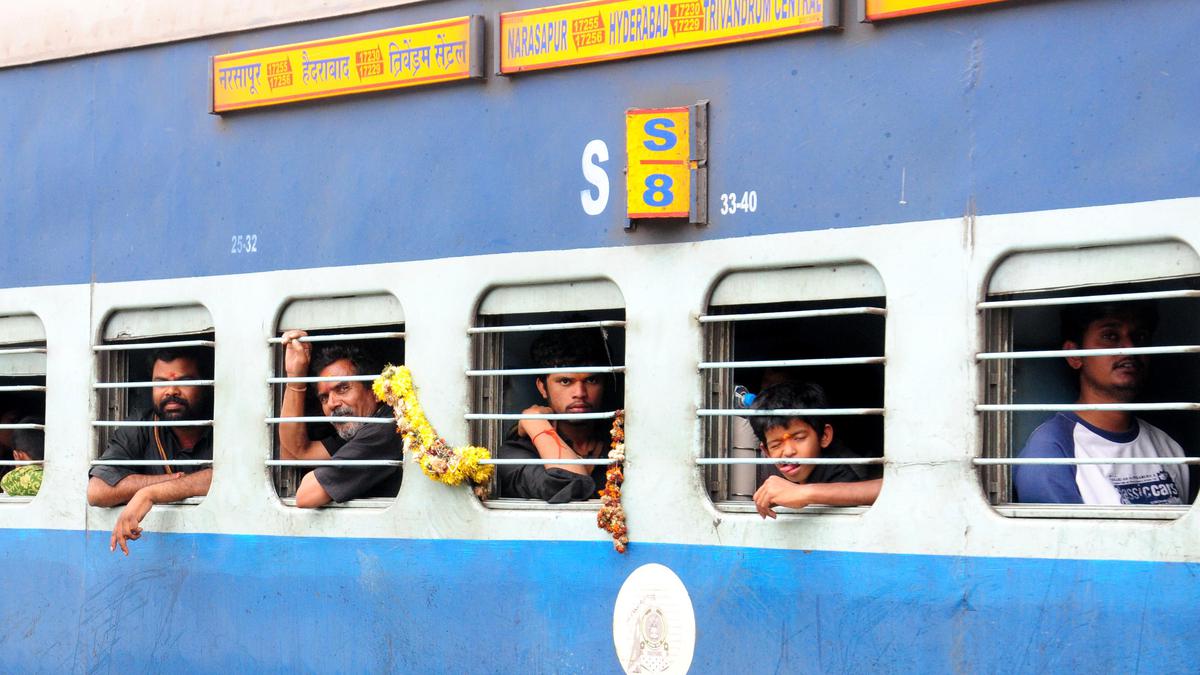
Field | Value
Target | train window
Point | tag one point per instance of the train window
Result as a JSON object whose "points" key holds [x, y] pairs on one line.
{"points": [[142, 426], [803, 325], [523, 339], [1088, 373], [363, 328], [22, 406]]}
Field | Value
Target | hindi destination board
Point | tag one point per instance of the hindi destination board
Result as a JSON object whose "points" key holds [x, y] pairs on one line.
{"points": [[604, 30], [406, 56]]}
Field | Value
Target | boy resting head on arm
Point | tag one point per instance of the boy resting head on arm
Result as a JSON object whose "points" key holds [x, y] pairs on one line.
{"points": [[804, 437]]}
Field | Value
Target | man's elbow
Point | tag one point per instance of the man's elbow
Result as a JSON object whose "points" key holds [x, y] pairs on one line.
{"points": [[98, 494], [311, 495], [311, 501]]}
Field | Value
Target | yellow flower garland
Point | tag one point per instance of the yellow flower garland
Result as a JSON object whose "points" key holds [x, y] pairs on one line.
{"points": [[438, 459]]}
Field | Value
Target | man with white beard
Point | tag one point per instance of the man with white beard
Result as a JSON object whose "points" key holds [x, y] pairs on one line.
{"points": [[353, 440]]}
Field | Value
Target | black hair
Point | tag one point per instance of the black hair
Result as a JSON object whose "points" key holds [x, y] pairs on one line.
{"points": [[569, 348], [329, 354], [30, 441], [788, 396], [201, 356], [1076, 318]]}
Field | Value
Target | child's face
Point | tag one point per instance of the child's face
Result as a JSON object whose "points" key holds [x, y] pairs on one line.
{"points": [[796, 441]]}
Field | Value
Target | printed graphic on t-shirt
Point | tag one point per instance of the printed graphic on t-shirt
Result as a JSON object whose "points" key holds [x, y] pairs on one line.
{"points": [[1147, 489]]}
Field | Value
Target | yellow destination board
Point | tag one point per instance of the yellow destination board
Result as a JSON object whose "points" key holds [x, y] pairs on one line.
{"points": [[874, 10], [407, 56], [603, 30], [658, 179]]}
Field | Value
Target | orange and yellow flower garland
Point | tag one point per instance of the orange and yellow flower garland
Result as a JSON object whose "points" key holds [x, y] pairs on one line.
{"points": [[437, 458], [611, 518]]}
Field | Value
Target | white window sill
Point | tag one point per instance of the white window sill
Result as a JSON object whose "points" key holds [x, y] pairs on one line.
{"points": [[1074, 511]]}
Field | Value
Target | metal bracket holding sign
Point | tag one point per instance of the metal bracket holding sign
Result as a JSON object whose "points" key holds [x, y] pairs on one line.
{"points": [[666, 175]]}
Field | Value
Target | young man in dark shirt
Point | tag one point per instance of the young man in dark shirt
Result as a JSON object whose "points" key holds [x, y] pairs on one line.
{"points": [[805, 437], [144, 486], [564, 392], [353, 440]]}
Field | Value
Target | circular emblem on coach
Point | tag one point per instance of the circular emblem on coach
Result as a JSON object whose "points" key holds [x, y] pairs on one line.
{"points": [[654, 625]]}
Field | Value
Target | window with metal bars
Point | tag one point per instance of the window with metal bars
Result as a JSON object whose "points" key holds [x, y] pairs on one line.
{"points": [[374, 325], [22, 404], [823, 325], [502, 377], [1027, 381], [125, 387]]}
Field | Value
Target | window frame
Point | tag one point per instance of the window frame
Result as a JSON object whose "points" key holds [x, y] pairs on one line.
{"points": [[823, 283], [30, 342], [144, 329], [1057, 277], [486, 375], [325, 330]]}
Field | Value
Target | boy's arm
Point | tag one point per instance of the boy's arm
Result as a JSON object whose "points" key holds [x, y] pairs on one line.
{"points": [[778, 491]]}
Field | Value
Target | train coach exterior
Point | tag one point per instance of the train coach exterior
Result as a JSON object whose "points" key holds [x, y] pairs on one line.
{"points": [[948, 159]]}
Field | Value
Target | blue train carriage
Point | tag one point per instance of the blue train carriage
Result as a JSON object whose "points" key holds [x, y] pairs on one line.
{"points": [[898, 208]]}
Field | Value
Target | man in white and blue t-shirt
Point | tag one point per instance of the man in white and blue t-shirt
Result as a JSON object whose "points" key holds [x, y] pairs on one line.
{"points": [[1104, 433]]}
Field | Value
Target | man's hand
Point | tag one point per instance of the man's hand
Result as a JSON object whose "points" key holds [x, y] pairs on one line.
{"points": [[530, 428], [296, 354], [129, 522], [779, 491]]}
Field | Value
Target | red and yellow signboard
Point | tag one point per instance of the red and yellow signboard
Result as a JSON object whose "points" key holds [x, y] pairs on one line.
{"points": [[407, 56], [666, 175], [874, 10], [603, 30]]}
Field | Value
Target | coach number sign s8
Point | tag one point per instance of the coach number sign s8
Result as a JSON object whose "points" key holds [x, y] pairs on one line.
{"points": [[667, 174]]}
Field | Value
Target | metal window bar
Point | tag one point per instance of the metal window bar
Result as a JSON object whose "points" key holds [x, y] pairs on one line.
{"points": [[831, 461], [162, 383], [790, 363], [22, 387], [529, 328], [383, 335], [998, 389], [718, 388], [22, 350], [545, 371], [21, 462], [1013, 461], [332, 420], [1056, 353], [151, 462], [786, 412], [810, 510], [1079, 512], [543, 462], [153, 345], [1087, 299], [541, 416], [334, 462], [797, 314], [153, 423], [1073, 407], [15, 425], [314, 378]]}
